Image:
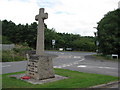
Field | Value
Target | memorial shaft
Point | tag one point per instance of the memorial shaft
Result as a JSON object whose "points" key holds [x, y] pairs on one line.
{"points": [[40, 38], [40, 32]]}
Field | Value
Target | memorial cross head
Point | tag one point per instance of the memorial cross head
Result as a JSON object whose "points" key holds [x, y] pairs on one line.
{"points": [[41, 15]]}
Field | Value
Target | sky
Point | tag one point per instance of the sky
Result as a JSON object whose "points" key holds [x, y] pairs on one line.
{"points": [[65, 16]]}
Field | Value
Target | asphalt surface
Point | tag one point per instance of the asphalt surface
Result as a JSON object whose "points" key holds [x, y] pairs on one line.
{"points": [[78, 61], [83, 62]]}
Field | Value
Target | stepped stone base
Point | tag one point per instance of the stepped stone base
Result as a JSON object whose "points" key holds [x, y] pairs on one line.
{"points": [[33, 81]]}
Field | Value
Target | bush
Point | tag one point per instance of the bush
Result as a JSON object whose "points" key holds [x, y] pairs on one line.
{"points": [[21, 48], [17, 54], [8, 56]]}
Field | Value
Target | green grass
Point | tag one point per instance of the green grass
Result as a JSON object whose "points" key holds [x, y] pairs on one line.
{"points": [[108, 57], [75, 80]]}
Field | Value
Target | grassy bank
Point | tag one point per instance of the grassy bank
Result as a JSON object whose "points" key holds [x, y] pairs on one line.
{"points": [[75, 80]]}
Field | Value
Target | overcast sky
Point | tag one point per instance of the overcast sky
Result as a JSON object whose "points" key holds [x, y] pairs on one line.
{"points": [[72, 16]]}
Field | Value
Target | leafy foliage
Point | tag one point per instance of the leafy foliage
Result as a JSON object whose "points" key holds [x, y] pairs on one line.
{"points": [[109, 32], [9, 56], [85, 44], [27, 34], [5, 40], [16, 54]]}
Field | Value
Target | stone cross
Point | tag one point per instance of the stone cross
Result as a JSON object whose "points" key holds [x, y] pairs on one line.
{"points": [[40, 32]]}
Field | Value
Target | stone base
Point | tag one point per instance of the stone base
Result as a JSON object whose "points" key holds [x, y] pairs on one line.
{"points": [[40, 67], [33, 81]]}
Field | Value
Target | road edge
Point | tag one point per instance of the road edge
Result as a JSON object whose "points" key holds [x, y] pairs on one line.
{"points": [[106, 85]]}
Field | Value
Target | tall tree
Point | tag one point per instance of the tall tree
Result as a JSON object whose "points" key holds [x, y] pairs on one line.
{"points": [[109, 32], [8, 28]]}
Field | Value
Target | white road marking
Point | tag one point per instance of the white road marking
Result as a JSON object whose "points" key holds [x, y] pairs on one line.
{"points": [[76, 57], [82, 66], [96, 67], [107, 67], [69, 64], [6, 66], [68, 56], [81, 60], [55, 66]]}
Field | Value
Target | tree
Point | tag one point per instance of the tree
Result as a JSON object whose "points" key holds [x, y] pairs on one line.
{"points": [[5, 40], [84, 44], [109, 32], [31, 34], [27, 35], [8, 29], [50, 34], [20, 34]]}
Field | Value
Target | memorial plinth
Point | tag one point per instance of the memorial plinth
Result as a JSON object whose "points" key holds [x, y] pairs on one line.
{"points": [[40, 66]]}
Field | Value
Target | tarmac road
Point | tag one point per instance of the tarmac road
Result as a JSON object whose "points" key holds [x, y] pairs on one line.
{"points": [[83, 62], [79, 61]]}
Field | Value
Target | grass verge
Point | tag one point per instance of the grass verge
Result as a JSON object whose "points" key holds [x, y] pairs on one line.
{"points": [[105, 57], [76, 80]]}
